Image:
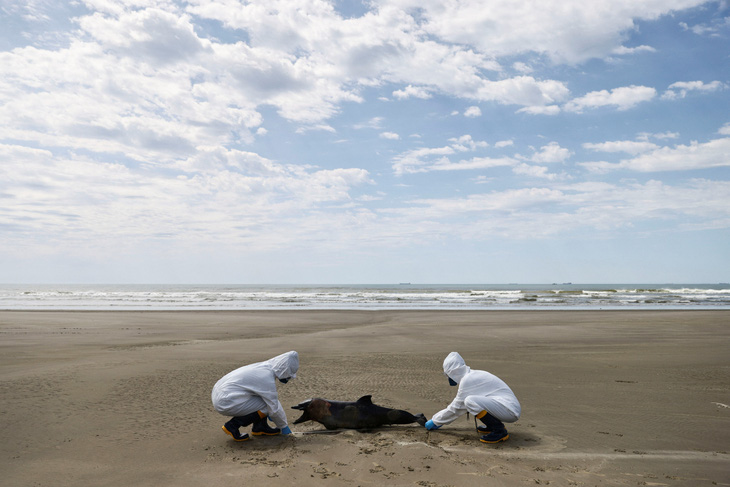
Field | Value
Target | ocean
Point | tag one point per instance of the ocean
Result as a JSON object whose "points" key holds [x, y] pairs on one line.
{"points": [[372, 297]]}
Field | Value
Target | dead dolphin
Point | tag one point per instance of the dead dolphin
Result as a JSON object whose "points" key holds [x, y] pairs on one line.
{"points": [[361, 414]]}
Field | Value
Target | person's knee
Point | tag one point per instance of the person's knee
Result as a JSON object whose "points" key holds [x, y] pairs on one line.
{"points": [[475, 404]]}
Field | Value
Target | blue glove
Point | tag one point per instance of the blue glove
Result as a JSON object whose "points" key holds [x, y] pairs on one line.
{"points": [[285, 430], [430, 425]]}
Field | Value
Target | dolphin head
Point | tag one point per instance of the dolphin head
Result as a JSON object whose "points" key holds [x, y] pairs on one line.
{"points": [[313, 410]]}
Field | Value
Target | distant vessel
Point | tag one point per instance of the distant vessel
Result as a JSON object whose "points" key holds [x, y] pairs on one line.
{"points": [[404, 283]]}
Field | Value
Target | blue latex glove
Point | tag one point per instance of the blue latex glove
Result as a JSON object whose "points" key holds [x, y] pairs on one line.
{"points": [[286, 431], [430, 425]]}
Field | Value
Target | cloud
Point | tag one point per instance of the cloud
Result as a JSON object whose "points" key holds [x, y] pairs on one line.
{"points": [[374, 123], [504, 143], [505, 28], [445, 164], [540, 110], [437, 159], [680, 89], [622, 98], [551, 153], [466, 142], [711, 154], [711, 29], [661, 136], [533, 171], [473, 112], [623, 50], [412, 92], [715, 153], [218, 195], [629, 146], [389, 136], [539, 212]]}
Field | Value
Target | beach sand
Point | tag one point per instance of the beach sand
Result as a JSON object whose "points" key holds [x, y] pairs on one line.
{"points": [[123, 398]]}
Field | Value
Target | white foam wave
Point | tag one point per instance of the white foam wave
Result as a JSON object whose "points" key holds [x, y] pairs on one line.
{"points": [[365, 297]]}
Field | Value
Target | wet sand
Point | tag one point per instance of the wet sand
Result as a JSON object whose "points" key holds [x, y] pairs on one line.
{"points": [[608, 397]]}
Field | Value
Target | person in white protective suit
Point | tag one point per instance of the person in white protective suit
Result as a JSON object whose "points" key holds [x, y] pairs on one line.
{"points": [[482, 394], [249, 395]]}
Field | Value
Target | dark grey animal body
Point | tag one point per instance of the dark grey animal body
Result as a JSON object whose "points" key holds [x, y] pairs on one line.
{"points": [[361, 414]]}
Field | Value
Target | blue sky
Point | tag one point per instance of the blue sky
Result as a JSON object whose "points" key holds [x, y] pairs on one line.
{"points": [[312, 141]]}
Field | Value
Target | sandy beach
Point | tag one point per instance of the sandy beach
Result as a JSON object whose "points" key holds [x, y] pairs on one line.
{"points": [[123, 398]]}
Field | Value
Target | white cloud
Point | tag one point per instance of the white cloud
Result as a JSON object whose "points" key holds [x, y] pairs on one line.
{"points": [[373, 123], [533, 171], [680, 89], [466, 142], [223, 195], [389, 136], [417, 160], [412, 92], [628, 146], [504, 143], [711, 29], [473, 112], [437, 159], [551, 153], [623, 50], [522, 90], [444, 164], [598, 167], [538, 212], [622, 98], [715, 153], [644, 136], [505, 28], [712, 154], [523, 68], [315, 126], [540, 110]]}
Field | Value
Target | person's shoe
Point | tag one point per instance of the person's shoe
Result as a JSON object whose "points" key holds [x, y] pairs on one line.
{"points": [[231, 430], [495, 437], [263, 428]]}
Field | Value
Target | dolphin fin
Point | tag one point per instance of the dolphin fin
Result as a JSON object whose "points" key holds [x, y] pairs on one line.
{"points": [[365, 400]]}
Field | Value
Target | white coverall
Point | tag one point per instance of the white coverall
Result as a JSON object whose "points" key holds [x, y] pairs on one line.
{"points": [[478, 391], [253, 388]]}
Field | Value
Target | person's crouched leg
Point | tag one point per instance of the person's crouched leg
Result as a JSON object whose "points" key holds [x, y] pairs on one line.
{"points": [[261, 427]]}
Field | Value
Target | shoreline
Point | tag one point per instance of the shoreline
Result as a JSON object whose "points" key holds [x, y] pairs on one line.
{"points": [[610, 397]]}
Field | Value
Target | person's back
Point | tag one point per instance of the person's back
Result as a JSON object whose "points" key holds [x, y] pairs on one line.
{"points": [[484, 383]]}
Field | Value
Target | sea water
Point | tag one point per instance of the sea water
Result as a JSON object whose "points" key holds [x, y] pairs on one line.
{"points": [[362, 296]]}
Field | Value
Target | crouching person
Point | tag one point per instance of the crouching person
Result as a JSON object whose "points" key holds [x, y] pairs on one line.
{"points": [[482, 394], [249, 395]]}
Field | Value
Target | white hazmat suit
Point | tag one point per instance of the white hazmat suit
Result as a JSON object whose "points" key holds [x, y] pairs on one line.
{"points": [[252, 388], [478, 391]]}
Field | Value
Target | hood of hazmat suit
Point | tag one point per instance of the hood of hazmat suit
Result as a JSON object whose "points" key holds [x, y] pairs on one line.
{"points": [[285, 366], [477, 383], [454, 367], [253, 387]]}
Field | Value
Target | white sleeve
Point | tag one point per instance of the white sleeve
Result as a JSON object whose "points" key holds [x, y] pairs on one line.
{"points": [[452, 411], [276, 411], [270, 396]]}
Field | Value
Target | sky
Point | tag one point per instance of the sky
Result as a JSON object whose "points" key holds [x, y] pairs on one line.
{"points": [[346, 141]]}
